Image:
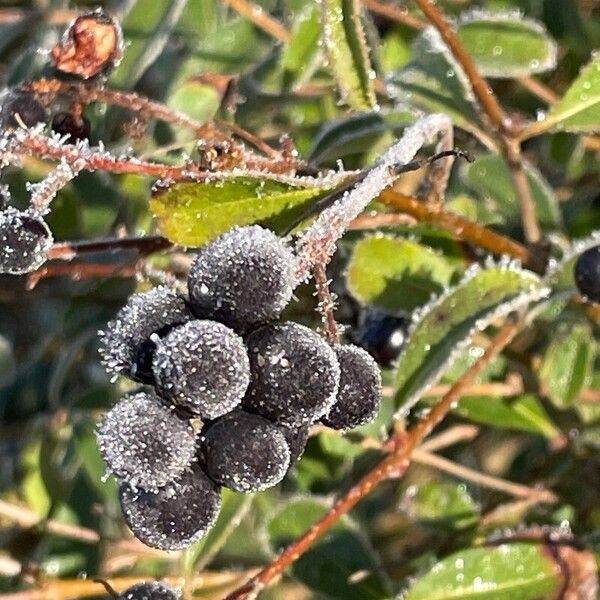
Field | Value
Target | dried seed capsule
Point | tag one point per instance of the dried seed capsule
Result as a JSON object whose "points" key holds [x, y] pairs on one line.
{"points": [[144, 443], [15, 102], [24, 241], [128, 344], [150, 590], [359, 394], [177, 515], [91, 45], [66, 124], [294, 374], [587, 274], [244, 278], [202, 366], [245, 452]]}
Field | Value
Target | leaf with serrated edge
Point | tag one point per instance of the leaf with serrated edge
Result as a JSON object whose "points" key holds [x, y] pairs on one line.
{"points": [[347, 53], [506, 44], [443, 328]]}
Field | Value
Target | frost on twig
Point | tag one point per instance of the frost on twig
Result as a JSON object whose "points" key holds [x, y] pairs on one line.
{"points": [[317, 243], [45, 191]]}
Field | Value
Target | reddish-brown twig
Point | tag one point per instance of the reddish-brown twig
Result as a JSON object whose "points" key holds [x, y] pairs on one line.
{"points": [[395, 13], [143, 245], [394, 465], [326, 303], [261, 18], [79, 271]]}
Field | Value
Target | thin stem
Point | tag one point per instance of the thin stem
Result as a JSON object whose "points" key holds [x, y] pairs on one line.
{"points": [[261, 19], [394, 13], [326, 303], [394, 465], [143, 245], [514, 489], [538, 89], [79, 271]]}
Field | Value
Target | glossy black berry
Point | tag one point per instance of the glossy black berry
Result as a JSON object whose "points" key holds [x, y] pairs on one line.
{"points": [[382, 335], [144, 442], [66, 124], [202, 366], [177, 515], [128, 343], [587, 274], [244, 278], [294, 374], [24, 241], [20, 107], [359, 395], [150, 590], [245, 452]]}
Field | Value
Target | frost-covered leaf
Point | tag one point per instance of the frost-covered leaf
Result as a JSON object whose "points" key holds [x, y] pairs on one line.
{"points": [[578, 110], [328, 566], [445, 326], [511, 571], [523, 413], [489, 175], [347, 53], [396, 274], [434, 81], [192, 213], [506, 44], [568, 362]]}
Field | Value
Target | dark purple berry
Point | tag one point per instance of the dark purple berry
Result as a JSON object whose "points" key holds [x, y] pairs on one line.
{"points": [[19, 107], [24, 241], [202, 366], [175, 516], [150, 590], [243, 279], [245, 452], [587, 274], [296, 438], [382, 335], [66, 124], [359, 394], [294, 374], [128, 344]]}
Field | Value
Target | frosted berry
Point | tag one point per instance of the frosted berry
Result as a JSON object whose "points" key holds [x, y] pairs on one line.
{"points": [[24, 241], [202, 366], [296, 438], [150, 590], [15, 102], [359, 394], [66, 124], [175, 516], [244, 278], [294, 374], [382, 335], [127, 346], [245, 452], [587, 274], [144, 443]]}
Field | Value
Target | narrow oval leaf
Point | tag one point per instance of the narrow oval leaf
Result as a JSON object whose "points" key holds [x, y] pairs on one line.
{"points": [[435, 82], [489, 175], [523, 413], [578, 111], [329, 565], [516, 571], [303, 47], [192, 214], [567, 364], [396, 274], [347, 52], [507, 45], [444, 327]]}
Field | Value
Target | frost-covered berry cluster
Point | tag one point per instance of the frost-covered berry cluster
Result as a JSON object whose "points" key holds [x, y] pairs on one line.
{"points": [[234, 390]]}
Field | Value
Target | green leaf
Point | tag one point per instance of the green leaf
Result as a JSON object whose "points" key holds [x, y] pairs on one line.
{"points": [[507, 45], [567, 364], [233, 509], [489, 175], [446, 325], [516, 571], [347, 53], [192, 214], [303, 47], [435, 82], [578, 111], [396, 274], [441, 504], [523, 413], [327, 567], [146, 29]]}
